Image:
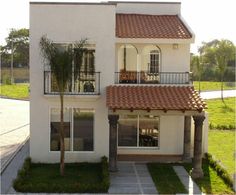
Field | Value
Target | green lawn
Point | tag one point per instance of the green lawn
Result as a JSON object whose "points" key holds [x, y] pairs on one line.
{"points": [[211, 183], [213, 86], [221, 116], [79, 177], [165, 179], [221, 144], [18, 91]]}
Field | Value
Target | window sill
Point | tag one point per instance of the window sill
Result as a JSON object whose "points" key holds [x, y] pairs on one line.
{"points": [[138, 148]]}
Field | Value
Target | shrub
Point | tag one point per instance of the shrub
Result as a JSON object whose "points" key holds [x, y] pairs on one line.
{"points": [[220, 170]]}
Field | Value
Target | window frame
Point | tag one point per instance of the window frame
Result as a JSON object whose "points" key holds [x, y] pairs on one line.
{"points": [[71, 130], [154, 53], [140, 147]]}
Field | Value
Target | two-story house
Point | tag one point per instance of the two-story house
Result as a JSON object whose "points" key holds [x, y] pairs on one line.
{"points": [[133, 99]]}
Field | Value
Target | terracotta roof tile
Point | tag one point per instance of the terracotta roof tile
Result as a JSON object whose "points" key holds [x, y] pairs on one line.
{"points": [[183, 98], [150, 26]]}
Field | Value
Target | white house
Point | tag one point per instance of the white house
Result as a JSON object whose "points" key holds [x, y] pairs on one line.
{"points": [[134, 98]]}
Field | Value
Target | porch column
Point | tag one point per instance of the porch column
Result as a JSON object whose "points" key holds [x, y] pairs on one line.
{"points": [[197, 159], [187, 139], [113, 119]]}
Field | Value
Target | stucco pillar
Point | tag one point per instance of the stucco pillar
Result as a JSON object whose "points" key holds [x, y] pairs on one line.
{"points": [[113, 119], [187, 139], [197, 158]]}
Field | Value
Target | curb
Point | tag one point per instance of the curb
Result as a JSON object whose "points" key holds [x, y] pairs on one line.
{"points": [[5, 165]]}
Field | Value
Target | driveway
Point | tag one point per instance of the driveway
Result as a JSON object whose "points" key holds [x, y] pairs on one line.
{"points": [[14, 128], [217, 94]]}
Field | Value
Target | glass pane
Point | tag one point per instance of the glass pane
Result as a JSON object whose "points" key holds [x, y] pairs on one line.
{"points": [[148, 131], [83, 130], [55, 129], [127, 130]]}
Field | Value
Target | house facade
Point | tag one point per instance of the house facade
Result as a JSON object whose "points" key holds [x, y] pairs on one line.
{"points": [[133, 99]]}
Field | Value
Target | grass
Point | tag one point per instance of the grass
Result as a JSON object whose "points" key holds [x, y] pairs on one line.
{"points": [[165, 179], [79, 177], [221, 144], [18, 91], [211, 183], [221, 115], [213, 86]]}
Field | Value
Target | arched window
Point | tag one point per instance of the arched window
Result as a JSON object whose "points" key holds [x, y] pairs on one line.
{"points": [[154, 66]]}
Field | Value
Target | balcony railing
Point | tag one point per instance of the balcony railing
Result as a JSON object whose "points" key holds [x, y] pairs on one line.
{"points": [[134, 77], [87, 83]]}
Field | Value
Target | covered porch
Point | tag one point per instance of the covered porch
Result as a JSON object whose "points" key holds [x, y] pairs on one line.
{"points": [[148, 111]]}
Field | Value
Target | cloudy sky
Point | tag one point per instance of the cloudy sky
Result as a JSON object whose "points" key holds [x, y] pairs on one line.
{"points": [[209, 19]]}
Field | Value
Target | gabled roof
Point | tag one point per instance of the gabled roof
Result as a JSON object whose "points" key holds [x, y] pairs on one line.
{"points": [[151, 26], [179, 98]]}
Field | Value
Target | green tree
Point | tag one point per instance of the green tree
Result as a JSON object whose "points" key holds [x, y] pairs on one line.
{"points": [[19, 40], [224, 53], [62, 68], [197, 67]]}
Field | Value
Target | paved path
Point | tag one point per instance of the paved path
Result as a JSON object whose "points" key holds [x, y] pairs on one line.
{"points": [[11, 170], [132, 178], [14, 128], [217, 94], [187, 181]]}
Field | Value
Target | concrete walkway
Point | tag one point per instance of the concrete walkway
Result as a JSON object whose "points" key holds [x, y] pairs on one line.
{"points": [[132, 178], [217, 94], [187, 181], [10, 172]]}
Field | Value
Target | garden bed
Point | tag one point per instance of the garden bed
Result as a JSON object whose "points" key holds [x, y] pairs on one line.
{"points": [[79, 178]]}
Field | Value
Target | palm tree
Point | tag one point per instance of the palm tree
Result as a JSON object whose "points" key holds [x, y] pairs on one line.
{"points": [[62, 68]]}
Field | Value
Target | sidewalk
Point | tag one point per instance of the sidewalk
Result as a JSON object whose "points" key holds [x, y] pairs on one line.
{"points": [[217, 94]]}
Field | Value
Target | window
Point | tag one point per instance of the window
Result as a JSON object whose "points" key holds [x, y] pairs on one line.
{"points": [[138, 131], [55, 129], [127, 134], [154, 61], [79, 125], [83, 130]]}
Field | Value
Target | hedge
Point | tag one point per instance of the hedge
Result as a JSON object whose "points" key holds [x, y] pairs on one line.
{"points": [[221, 171]]}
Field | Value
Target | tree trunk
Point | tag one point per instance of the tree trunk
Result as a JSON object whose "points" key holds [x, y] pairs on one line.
{"points": [[222, 88], [62, 144]]}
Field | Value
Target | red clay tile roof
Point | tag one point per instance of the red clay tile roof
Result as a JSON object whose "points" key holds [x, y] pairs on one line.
{"points": [[183, 98], [151, 26]]}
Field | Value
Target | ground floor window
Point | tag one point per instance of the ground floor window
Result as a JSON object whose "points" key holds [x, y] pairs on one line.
{"points": [[79, 125], [138, 131]]}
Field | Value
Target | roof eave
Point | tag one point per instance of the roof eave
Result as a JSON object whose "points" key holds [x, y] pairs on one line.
{"points": [[154, 40]]}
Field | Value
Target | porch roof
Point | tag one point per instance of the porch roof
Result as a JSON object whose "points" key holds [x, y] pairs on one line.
{"points": [[151, 26], [175, 98]]}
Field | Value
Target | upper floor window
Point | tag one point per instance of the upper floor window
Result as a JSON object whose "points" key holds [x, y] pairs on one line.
{"points": [[154, 66]]}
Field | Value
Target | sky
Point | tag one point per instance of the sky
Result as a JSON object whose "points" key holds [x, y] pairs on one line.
{"points": [[209, 19]]}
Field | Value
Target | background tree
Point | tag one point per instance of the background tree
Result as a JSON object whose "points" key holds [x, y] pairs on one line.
{"points": [[197, 67], [61, 64], [224, 53], [20, 39]]}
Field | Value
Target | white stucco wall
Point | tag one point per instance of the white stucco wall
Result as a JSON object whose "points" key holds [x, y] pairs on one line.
{"points": [[161, 8], [171, 60], [67, 24]]}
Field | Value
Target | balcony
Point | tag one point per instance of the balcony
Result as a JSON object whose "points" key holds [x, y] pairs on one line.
{"points": [[144, 77], [88, 83]]}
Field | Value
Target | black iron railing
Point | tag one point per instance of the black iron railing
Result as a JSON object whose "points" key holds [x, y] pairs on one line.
{"points": [[86, 83], [144, 77]]}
